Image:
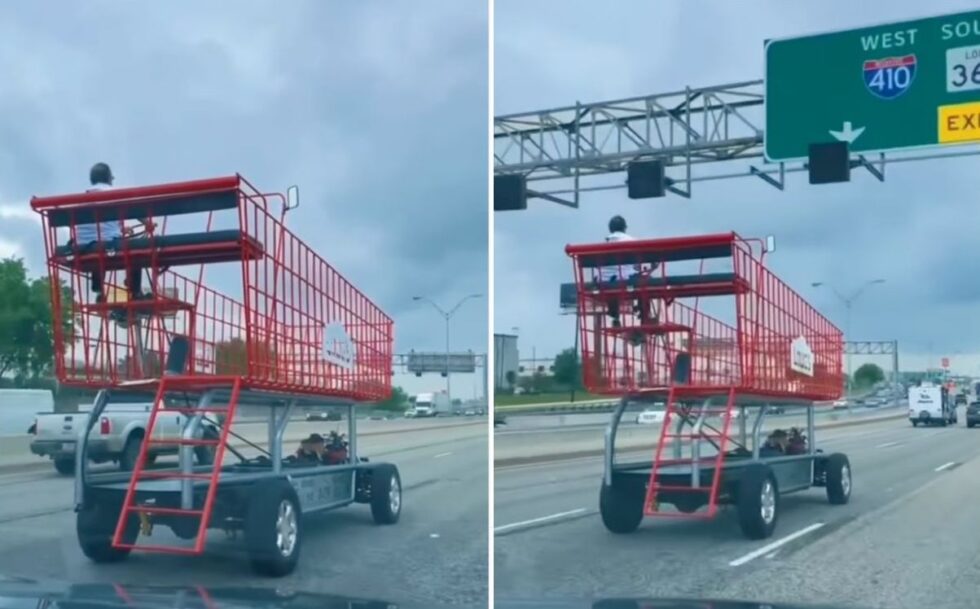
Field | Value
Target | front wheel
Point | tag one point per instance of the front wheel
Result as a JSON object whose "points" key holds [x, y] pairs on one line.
{"points": [[95, 526], [621, 508], [915, 423], [272, 528], [386, 494], [758, 501], [838, 469]]}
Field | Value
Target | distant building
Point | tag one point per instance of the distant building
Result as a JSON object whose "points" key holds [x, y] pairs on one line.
{"points": [[505, 359]]}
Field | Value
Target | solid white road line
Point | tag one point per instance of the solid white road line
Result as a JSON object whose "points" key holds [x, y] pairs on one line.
{"points": [[945, 466], [887, 444], [776, 544], [442, 455], [514, 525]]}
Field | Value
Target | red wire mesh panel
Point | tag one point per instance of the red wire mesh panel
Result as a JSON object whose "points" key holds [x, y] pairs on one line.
{"points": [[274, 312], [701, 312]]}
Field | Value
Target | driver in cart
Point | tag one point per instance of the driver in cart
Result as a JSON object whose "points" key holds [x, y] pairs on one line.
{"points": [[108, 233], [617, 232]]}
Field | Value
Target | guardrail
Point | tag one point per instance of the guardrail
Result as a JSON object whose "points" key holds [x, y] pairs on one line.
{"points": [[558, 407]]}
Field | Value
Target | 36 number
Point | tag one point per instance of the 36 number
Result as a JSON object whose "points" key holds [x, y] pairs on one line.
{"points": [[961, 78]]}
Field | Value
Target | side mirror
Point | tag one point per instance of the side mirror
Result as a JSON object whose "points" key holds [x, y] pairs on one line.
{"points": [[770, 244], [292, 197]]}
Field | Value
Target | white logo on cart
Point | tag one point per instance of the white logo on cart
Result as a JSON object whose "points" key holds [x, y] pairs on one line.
{"points": [[338, 348], [801, 356]]}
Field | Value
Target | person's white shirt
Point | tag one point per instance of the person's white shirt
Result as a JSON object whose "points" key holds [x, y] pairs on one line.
{"points": [[607, 273], [100, 231]]}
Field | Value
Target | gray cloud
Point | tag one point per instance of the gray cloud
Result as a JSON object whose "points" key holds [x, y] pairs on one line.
{"points": [[917, 229], [376, 109]]}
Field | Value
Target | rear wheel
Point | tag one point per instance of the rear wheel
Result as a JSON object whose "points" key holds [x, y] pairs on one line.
{"points": [[621, 507], [915, 423], [95, 526], [130, 453], [65, 465], [838, 479], [386, 494], [758, 501], [272, 528]]}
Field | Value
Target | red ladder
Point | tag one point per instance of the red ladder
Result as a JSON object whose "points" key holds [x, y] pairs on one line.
{"points": [[130, 504], [718, 437]]}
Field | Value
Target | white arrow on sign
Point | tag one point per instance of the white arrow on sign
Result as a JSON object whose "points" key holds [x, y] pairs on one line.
{"points": [[847, 134]]}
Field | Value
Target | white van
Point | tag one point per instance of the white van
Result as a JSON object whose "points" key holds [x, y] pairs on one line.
{"points": [[930, 404]]}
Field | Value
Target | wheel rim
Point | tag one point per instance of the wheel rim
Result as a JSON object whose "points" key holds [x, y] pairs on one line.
{"points": [[768, 510], [286, 528], [395, 496], [845, 479]]}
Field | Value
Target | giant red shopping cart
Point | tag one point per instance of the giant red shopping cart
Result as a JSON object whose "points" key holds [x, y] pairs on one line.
{"points": [[700, 330], [273, 326]]}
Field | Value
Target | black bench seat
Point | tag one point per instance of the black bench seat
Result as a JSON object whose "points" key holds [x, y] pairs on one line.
{"points": [[165, 250]]}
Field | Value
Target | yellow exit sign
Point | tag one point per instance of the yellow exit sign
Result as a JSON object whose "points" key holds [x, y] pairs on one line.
{"points": [[959, 123]]}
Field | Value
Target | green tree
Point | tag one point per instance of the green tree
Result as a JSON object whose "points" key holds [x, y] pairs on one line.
{"points": [[27, 322], [397, 401], [567, 369], [868, 374]]}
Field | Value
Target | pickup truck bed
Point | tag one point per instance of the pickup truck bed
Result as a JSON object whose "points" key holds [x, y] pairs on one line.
{"points": [[116, 436]]}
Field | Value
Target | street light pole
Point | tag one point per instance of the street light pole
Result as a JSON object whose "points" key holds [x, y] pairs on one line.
{"points": [[447, 315], [848, 304]]}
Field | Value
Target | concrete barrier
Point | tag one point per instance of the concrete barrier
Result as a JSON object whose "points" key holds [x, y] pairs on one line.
{"points": [[16, 456], [533, 446]]}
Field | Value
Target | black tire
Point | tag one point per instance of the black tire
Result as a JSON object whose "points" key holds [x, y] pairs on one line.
{"points": [[65, 465], [970, 424], [95, 525], [758, 489], [273, 505], [838, 479], [386, 494], [942, 422], [130, 453], [915, 423], [621, 507]]}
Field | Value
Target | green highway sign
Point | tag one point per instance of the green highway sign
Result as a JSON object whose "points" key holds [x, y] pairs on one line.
{"points": [[881, 88]]}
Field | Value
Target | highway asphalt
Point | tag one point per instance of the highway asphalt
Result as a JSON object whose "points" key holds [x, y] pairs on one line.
{"points": [[435, 555], [908, 537]]}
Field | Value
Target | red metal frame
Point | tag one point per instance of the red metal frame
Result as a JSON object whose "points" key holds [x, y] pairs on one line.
{"points": [[664, 342], [749, 352], [265, 325]]}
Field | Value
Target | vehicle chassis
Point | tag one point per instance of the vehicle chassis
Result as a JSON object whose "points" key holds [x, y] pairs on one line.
{"points": [[791, 473], [318, 487]]}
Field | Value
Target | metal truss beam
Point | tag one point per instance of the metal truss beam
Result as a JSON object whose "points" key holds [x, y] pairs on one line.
{"points": [[569, 150], [871, 347]]}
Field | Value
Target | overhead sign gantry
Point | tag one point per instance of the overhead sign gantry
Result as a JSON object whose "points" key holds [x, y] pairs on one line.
{"points": [[863, 98]]}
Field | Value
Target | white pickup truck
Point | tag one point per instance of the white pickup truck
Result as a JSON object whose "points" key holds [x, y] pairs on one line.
{"points": [[117, 436]]}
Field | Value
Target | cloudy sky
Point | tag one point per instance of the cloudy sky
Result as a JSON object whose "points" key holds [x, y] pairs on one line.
{"points": [[377, 109], [918, 230]]}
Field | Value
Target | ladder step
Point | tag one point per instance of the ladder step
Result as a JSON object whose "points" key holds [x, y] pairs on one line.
{"points": [[187, 442], [686, 489], [192, 409], [163, 510], [157, 475], [691, 436], [149, 548]]}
